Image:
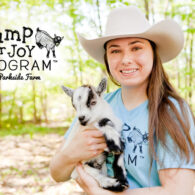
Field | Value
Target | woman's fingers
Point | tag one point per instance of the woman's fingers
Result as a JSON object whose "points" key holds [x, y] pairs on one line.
{"points": [[79, 181], [81, 175], [93, 141], [87, 182], [93, 133], [96, 141], [95, 147]]}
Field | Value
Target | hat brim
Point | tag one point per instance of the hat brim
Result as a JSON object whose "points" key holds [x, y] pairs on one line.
{"points": [[167, 35]]}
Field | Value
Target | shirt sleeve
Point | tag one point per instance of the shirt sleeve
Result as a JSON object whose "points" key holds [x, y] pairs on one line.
{"points": [[170, 157], [70, 128]]}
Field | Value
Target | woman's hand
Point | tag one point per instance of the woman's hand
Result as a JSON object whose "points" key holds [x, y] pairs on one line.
{"points": [[88, 183], [87, 143]]}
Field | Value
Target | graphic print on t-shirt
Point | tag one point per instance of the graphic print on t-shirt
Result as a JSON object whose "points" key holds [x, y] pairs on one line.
{"points": [[135, 140]]}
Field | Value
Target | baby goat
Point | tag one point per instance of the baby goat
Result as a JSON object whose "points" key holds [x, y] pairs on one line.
{"points": [[92, 109]]}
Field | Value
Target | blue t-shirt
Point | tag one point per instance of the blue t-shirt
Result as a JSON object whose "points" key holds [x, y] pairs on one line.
{"points": [[136, 154]]}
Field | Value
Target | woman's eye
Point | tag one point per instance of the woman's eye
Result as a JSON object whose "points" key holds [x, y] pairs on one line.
{"points": [[93, 103], [115, 51], [136, 48]]}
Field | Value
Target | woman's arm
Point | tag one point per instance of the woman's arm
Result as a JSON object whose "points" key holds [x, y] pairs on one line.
{"points": [[174, 181], [87, 143], [61, 165]]}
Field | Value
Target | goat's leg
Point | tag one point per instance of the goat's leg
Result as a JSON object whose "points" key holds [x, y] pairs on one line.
{"points": [[120, 171], [39, 45], [48, 51], [135, 147], [140, 148], [54, 55], [104, 181], [113, 139]]}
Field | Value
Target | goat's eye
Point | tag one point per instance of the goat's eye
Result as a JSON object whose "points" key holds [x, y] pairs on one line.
{"points": [[93, 103]]}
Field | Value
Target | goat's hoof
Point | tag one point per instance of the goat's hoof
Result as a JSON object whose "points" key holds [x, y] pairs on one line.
{"points": [[125, 184], [118, 188]]}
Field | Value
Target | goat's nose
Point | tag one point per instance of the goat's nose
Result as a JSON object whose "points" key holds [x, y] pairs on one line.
{"points": [[81, 118]]}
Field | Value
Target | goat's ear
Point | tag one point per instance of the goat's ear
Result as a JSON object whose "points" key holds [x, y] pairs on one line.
{"points": [[68, 91], [62, 38], [101, 87]]}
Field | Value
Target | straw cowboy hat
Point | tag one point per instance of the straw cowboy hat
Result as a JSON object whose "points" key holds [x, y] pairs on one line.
{"points": [[131, 22]]}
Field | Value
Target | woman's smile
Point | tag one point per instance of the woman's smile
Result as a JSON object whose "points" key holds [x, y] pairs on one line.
{"points": [[129, 71]]}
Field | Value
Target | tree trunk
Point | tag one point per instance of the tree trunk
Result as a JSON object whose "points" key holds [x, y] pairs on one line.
{"points": [[187, 57], [146, 8], [21, 114], [190, 70], [0, 106], [103, 73], [99, 19], [43, 99], [35, 120], [178, 77], [74, 21], [12, 105]]}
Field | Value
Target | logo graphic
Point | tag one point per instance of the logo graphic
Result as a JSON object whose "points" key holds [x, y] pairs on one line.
{"points": [[136, 137], [18, 58], [43, 39]]}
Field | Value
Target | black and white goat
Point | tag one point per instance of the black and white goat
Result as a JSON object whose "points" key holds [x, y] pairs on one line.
{"points": [[92, 109], [43, 39]]}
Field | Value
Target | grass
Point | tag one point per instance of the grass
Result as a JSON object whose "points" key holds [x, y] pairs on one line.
{"points": [[30, 129]]}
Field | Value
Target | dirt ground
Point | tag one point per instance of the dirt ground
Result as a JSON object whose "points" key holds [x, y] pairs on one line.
{"points": [[24, 166]]}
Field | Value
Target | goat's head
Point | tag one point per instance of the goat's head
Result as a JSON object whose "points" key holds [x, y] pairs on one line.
{"points": [[57, 40], [87, 101]]}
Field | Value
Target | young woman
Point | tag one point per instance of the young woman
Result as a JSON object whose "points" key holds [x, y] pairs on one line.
{"points": [[159, 127]]}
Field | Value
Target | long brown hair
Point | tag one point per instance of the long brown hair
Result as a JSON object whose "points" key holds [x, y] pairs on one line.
{"points": [[164, 117]]}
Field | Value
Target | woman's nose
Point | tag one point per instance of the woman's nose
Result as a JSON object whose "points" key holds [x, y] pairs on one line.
{"points": [[127, 59]]}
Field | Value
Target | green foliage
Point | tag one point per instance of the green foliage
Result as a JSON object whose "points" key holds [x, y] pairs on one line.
{"points": [[31, 129], [37, 102]]}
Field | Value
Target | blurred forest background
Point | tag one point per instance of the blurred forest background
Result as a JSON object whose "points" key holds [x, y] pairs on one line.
{"points": [[43, 102], [30, 107]]}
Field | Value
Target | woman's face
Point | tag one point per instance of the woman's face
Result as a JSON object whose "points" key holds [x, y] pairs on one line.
{"points": [[130, 60]]}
